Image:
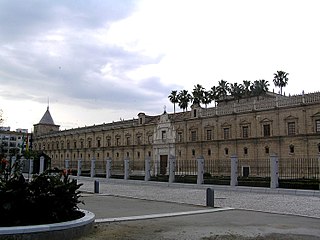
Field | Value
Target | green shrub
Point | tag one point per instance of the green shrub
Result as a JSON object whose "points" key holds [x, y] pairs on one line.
{"points": [[48, 198]]}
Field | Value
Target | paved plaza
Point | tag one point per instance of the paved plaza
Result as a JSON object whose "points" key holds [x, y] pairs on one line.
{"points": [[154, 210]]}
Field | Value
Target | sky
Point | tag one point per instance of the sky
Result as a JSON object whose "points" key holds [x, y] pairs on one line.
{"points": [[98, 61]]}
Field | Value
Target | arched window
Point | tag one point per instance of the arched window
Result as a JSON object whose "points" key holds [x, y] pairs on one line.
{"points": [[266, 150], [209, 152], [245, 151], [291, 149], [226, 151]]}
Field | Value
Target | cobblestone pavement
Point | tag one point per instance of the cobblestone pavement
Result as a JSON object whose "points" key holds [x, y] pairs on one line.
{"points": [[294, 202]]}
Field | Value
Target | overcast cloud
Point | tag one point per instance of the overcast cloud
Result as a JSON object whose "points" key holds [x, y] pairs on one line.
{"points": [[102, 60], [56, 49]]}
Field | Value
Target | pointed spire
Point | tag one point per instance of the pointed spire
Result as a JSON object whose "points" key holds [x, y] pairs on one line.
{"points": [[47, 119]]}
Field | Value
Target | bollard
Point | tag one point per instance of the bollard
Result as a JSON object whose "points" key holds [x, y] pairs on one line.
{"points": [[96, 186], [210, 197]]}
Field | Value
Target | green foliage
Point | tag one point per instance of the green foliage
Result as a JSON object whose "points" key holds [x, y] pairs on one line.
{"points": [[49, 197]]}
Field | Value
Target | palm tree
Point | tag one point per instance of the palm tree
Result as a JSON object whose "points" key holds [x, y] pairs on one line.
{"points": [[236, 90], [197, 94], [280, 79], [246, 88], [259, 87], [184, 98], [173, 97], [264, 85], [206, 98], [1, 119], [214, 95], [222, 89]]}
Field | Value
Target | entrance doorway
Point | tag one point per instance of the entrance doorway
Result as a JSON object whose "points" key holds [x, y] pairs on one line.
{"points": [[245, 171], [163, 164]]}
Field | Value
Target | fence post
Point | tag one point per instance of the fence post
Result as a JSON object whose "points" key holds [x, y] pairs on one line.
{"points": [[234, 171], [41, 170], [274, 171], [31, 165], [66, 163], [79, 167], [147, 169], [172, 166], [126, 169], [13, 164], [108, 168], [319, 169], [22, 163], [93, 168], [200, 165]]}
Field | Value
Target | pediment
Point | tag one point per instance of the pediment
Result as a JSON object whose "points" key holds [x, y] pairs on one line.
{"points": [[316, 115], [266, 120], [290, 117], [244, 122], [226, 124]]}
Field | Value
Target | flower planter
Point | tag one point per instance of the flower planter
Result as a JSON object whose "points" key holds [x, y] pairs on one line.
{"points": [[63, 230]]}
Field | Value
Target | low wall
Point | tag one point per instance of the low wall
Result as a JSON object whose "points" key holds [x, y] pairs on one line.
{"points": [[55, 231]]}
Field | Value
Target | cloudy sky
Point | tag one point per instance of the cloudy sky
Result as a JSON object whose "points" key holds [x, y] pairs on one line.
{"points": [[101, 60]]}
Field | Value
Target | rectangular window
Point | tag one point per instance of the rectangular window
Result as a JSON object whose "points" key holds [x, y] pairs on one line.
{"points": [[128, 140], [317, 125], [139, 140], [117, 141], [266, 130], [245, 131], [108, 142], [193, 136], [74, 145], [291, 128], [98, 143], [209, 134], [226, 133], [164, 135], [179, 136]]}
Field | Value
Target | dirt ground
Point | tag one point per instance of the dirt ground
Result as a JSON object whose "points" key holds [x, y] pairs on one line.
{"points": [[154, 231]]}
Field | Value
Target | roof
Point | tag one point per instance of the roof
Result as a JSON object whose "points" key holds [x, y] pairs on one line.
{"points": [[47, 119]]}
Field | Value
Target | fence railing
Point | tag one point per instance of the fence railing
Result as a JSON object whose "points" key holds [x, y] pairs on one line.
{"points": [[297, 168]]}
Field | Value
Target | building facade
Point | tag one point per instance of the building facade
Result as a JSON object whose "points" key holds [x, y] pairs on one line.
{"points": [[251, 128], [13, 143]]}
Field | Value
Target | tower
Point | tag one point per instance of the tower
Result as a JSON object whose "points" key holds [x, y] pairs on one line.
{"points": [[46, 125]]}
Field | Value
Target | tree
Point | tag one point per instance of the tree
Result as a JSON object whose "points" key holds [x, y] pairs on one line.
{"points": [[222, 89], [246, 88], [184, 98], [259, 87], [206, 98], [1, 118], [280, 79], [214, 95], [236, 90], [173, 97], [197, 94]]}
